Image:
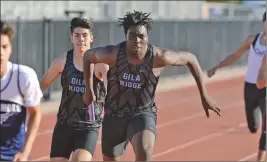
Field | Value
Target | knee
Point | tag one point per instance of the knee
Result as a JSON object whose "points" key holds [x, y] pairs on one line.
{"points": [[144, 151], [81, 155], [143, 144], [252, 129], [111, 152]]}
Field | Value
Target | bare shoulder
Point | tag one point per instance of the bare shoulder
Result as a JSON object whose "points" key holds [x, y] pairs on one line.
{"points": [[60, 59], [112, 48], [158, 50], [160, 55], [165, 52], [164, 56], [109, 49], [105, 54], [59, 62]]}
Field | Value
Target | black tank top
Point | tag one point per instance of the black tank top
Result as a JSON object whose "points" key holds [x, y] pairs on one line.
{"points": [[131, 88], [99, 88], [73, 112]]}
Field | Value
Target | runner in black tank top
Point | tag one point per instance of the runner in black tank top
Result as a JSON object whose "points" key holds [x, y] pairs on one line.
{"points": [[133, 88], [73, 112], [77, 127], [135, 66]]}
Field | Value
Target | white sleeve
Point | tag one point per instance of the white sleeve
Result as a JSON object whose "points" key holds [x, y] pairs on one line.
{"points": [[31, 89]]}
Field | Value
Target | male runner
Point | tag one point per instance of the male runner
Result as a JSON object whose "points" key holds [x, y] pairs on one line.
{"points": [[261, 80], [254, 97], [135, 66], [77, 125], [20, 97]]}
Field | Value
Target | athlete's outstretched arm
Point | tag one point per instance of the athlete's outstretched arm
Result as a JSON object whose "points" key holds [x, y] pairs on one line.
{"points": [[261, 80], [167, 57], [53, 72], [104, 55], [181, 58], [231, 59]]}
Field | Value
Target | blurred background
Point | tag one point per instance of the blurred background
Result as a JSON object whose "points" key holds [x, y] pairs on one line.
{"points": [[210, 29]]}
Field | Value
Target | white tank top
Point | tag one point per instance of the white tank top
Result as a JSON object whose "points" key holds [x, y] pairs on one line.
{"points": [[19, 89], [255, 57]]}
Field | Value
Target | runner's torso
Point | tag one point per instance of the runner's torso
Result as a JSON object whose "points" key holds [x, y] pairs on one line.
{"points": [[131, 88], [73, 112], [255, 56]]}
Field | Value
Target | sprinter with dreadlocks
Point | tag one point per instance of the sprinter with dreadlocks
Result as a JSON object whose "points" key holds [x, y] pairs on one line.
{"points": [[135, 66]]}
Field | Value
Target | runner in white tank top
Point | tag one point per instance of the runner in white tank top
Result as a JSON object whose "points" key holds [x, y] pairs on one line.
{"points": [[20, 94], [256, 54], [254, 97]]}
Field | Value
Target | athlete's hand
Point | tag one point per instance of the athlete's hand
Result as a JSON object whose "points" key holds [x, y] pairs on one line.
{"points": [[211, 72], [261, 84], [21, 157], [208, 104]]}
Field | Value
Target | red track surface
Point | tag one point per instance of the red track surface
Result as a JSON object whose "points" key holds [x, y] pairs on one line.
{"points": [[184, 132]]}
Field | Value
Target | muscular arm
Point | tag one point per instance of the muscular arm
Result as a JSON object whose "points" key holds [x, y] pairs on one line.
{"points": [[53, 72], [261, 80], [237, 54], [167, 57], [106, 55]]}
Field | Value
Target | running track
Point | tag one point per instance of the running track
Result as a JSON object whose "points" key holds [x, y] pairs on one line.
{"points": [[184, 132]]}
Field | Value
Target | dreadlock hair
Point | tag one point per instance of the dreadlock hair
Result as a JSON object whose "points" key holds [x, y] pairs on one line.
{"points": [[82, 23], [136, 18], [264, 16]]}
